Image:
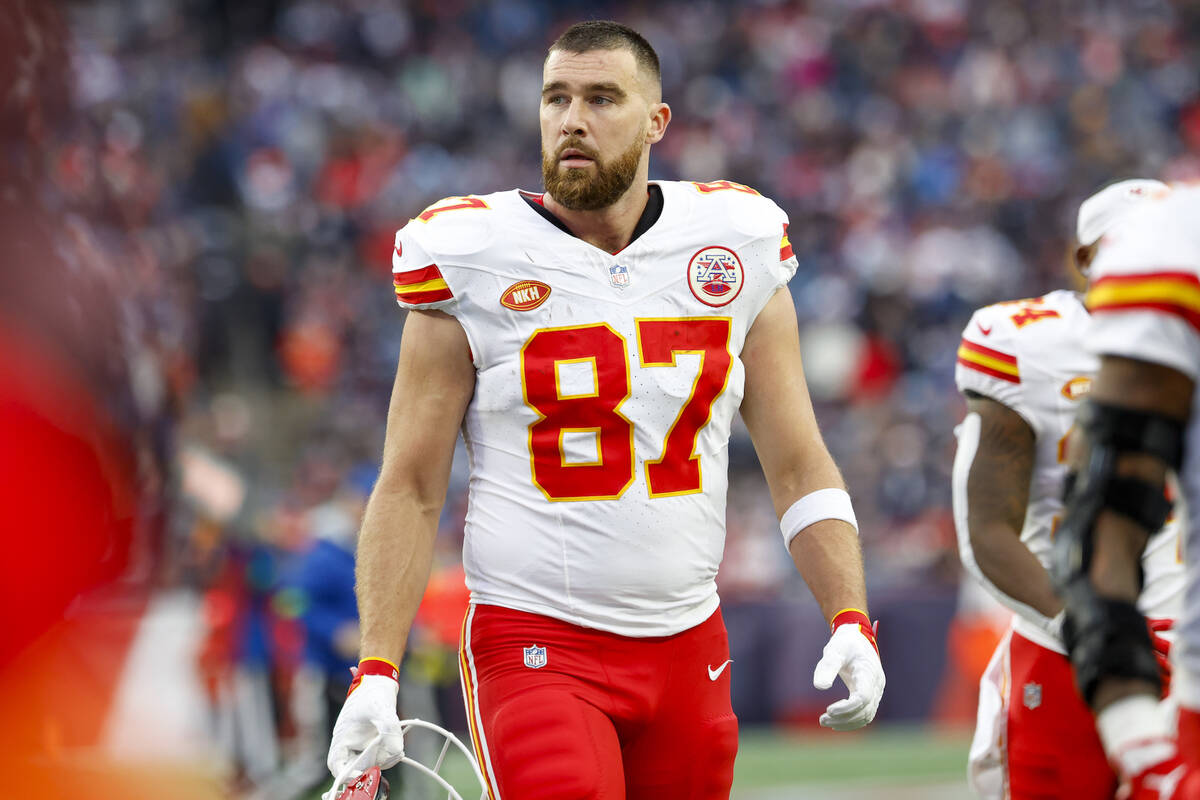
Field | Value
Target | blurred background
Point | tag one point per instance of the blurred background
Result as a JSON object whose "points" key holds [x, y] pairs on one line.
{"points": [[198, 337]]}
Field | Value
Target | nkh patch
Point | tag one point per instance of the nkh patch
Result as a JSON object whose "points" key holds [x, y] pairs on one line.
{"points": [[535, 657], [618, 275], [1032, 696]]}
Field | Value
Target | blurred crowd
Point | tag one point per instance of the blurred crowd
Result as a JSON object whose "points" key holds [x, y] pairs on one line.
{"points": [[244, 166]]}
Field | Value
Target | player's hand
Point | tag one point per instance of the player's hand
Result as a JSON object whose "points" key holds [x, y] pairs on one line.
{"points": [[367, 732], [853, 654]]}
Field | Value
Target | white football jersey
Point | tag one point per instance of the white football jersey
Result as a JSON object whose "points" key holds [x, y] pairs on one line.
{"points": [[1031, 356], [605, 389], [1145, 302]]}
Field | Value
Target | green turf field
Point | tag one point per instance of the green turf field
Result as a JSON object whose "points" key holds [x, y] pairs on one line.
{"points": [[911, 763]]}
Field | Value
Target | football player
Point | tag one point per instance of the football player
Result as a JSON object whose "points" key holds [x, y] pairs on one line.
{"points": [[593, 343], [1139, 426], [1024, 368]]}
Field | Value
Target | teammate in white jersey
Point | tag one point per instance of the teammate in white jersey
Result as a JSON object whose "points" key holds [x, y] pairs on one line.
{"points": [[1024, 367], [1140, 425], [593, 343]]}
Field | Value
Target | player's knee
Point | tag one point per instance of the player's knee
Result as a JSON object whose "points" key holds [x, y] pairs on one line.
{"points": [[720, 736]]}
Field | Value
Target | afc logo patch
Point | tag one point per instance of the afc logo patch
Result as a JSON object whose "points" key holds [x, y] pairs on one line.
{"points": [[1032, 696], [715, 275], [535, 657]]}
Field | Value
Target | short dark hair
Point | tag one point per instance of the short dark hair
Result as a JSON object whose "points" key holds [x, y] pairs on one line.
{"points": [[604, 34]]}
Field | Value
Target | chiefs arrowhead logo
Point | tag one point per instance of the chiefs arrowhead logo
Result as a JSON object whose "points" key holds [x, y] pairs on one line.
{"points": [[525, 295]]}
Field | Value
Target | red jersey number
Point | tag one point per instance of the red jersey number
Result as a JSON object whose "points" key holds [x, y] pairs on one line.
{"points": [[659, 341], [597, 412]]}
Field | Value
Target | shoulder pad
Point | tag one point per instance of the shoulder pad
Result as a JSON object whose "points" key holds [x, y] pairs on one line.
{"points": [[1151, 261], [1156, 236], [988, 349], [1004, 325], [749, 212], [455, 226], [416, 277]]}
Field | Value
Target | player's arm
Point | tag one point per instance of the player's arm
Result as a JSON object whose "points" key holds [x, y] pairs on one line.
{"points": [[778, 413], [1133, 429], [434, 383], [809, 497], [1128, 385], [814, 509], [997, 482], [435, 380]]}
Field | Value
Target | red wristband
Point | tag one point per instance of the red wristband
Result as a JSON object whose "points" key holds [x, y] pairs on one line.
{"points": [[852, 616], [373, 666]]}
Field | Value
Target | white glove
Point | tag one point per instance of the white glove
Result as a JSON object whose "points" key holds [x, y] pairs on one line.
{"points": [[367, 732], [850, 654]]}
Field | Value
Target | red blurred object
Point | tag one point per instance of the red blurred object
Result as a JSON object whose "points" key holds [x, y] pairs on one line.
{"points": [[311, 355], [444, 605], [80, 531], [1189, 126], [878, 369]]}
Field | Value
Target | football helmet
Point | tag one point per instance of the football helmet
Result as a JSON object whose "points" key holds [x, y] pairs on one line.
{"points": [[1100, 212], [371, 785]]}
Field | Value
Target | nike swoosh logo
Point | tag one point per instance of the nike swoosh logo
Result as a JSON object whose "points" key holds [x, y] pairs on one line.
{"points": [[713, 674], [983, 330]]}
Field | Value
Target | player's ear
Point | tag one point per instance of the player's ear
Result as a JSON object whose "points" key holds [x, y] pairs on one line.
{"points": [[660, 116]]}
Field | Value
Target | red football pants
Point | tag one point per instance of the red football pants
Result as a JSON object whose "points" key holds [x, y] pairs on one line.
{"points": [[1054, 752], [597, 715]]}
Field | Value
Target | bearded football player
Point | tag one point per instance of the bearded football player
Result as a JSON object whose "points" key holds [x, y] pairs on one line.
{"points": [[593, 343]]}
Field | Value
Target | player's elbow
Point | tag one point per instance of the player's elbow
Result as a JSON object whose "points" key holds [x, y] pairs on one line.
{"points": [[418, 493], [986, 547]]}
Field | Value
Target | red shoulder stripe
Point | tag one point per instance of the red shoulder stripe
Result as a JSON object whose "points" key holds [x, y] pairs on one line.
{"points": [[413, 276], [1175, 293], [435, 296], [785, 246], [987, 351], [986, 370]]}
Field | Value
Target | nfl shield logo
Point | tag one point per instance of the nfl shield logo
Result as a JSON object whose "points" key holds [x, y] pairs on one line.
{"points": [[618, 276], [1033, 695], [535, 657]]}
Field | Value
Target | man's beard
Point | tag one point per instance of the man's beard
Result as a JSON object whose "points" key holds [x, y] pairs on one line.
{"points": [[575, 188]]}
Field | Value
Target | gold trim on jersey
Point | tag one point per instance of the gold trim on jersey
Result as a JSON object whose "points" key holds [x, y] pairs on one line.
{"points": [[562, 450], [595, 378]]}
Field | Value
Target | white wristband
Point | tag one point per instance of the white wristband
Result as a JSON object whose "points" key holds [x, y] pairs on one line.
{"points": [[814, 507]]}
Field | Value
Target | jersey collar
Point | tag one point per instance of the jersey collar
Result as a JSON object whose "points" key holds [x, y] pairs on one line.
{"points": [[650, 215]]}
